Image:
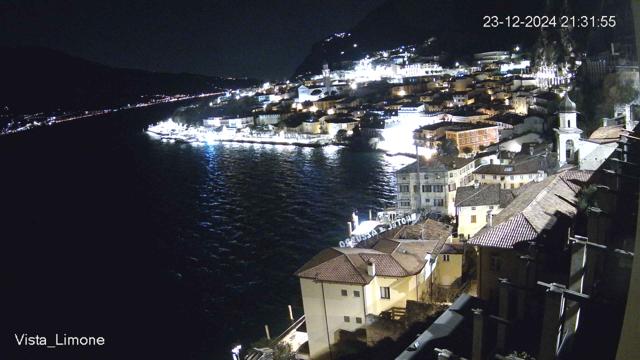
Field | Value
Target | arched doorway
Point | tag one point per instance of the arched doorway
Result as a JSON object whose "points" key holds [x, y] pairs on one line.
{"points": [[570, 150]]}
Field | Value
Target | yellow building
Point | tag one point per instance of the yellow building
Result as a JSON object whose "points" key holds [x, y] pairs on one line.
{"points": [[341, 286], [476, 204], [514, 175], [535, 215]]}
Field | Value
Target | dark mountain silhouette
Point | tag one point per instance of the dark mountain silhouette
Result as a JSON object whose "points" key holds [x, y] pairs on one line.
{"points": [[455, 26], [43, 80]]}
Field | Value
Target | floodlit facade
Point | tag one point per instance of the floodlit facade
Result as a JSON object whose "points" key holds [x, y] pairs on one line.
{"points": [[432, 185], [341, 286]]}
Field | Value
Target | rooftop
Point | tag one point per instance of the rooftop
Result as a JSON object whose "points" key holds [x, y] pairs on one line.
{"points": [[529, 166], [484, 194], [535, 209], [566, 105], [441, 163], [401, 255]]}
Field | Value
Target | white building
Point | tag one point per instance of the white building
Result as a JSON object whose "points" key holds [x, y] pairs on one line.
{"points": [[432, 185], [567, 133]]}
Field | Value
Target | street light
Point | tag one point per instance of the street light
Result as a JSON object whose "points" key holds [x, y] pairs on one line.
{"points": [[236, 352]]}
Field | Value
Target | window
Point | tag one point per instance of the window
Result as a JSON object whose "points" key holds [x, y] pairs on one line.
{"points": [[344, 292], [438, 188], [405, 203], [404, 188], [513, 186], [496, 263], [426, 188], [482, 176], [473, 219], [404, 178], [438, 202], [347, 319], [445, 257], [490, 207], [437, 175], [359, 320], [452, 187], [495, 177], [415, 188], [451, 174], [426, 177], [473, 208], [384, 292], [511, 177], [356, 293]]}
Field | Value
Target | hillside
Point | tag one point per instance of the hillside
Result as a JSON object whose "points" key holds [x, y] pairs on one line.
{"points": [[43, 80], [455, 25]]}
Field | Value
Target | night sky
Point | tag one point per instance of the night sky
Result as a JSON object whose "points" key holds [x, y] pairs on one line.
{"points": [[254, 38]]}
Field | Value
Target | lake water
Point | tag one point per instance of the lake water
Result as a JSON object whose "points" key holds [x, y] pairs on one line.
{"points": [[166, 250]]}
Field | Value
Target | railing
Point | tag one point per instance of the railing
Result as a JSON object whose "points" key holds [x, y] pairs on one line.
{"points": [[395, 313]]}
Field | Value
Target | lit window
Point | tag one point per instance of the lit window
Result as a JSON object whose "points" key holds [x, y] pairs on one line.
{"points": [[347, 319], [473, 219], [385, 293], [405, 203], [344, 292], [356, 293]]}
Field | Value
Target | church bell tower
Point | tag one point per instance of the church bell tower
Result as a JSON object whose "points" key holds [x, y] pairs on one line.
{"points": [[567, 133]]}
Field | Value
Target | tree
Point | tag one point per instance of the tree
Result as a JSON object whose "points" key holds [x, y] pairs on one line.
{"points": [[467, 150], [283, 351], [341, 135], [447, 148], [618, 91]]}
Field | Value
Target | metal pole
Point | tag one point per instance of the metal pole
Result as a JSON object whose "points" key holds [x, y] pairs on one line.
{"points": [[290, 313], [266, 330], [419, 203]]}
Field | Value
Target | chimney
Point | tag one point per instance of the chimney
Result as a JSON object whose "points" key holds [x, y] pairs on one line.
{"points": [[371, 268], [478, 329], [489, 219], [476, 184], [531, 149]]}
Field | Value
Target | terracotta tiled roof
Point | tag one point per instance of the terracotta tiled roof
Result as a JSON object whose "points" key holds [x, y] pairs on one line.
{"points": [[534, 210], [506, 234], [439, 163], [398, 257], [386, 265], [484, 194]]}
